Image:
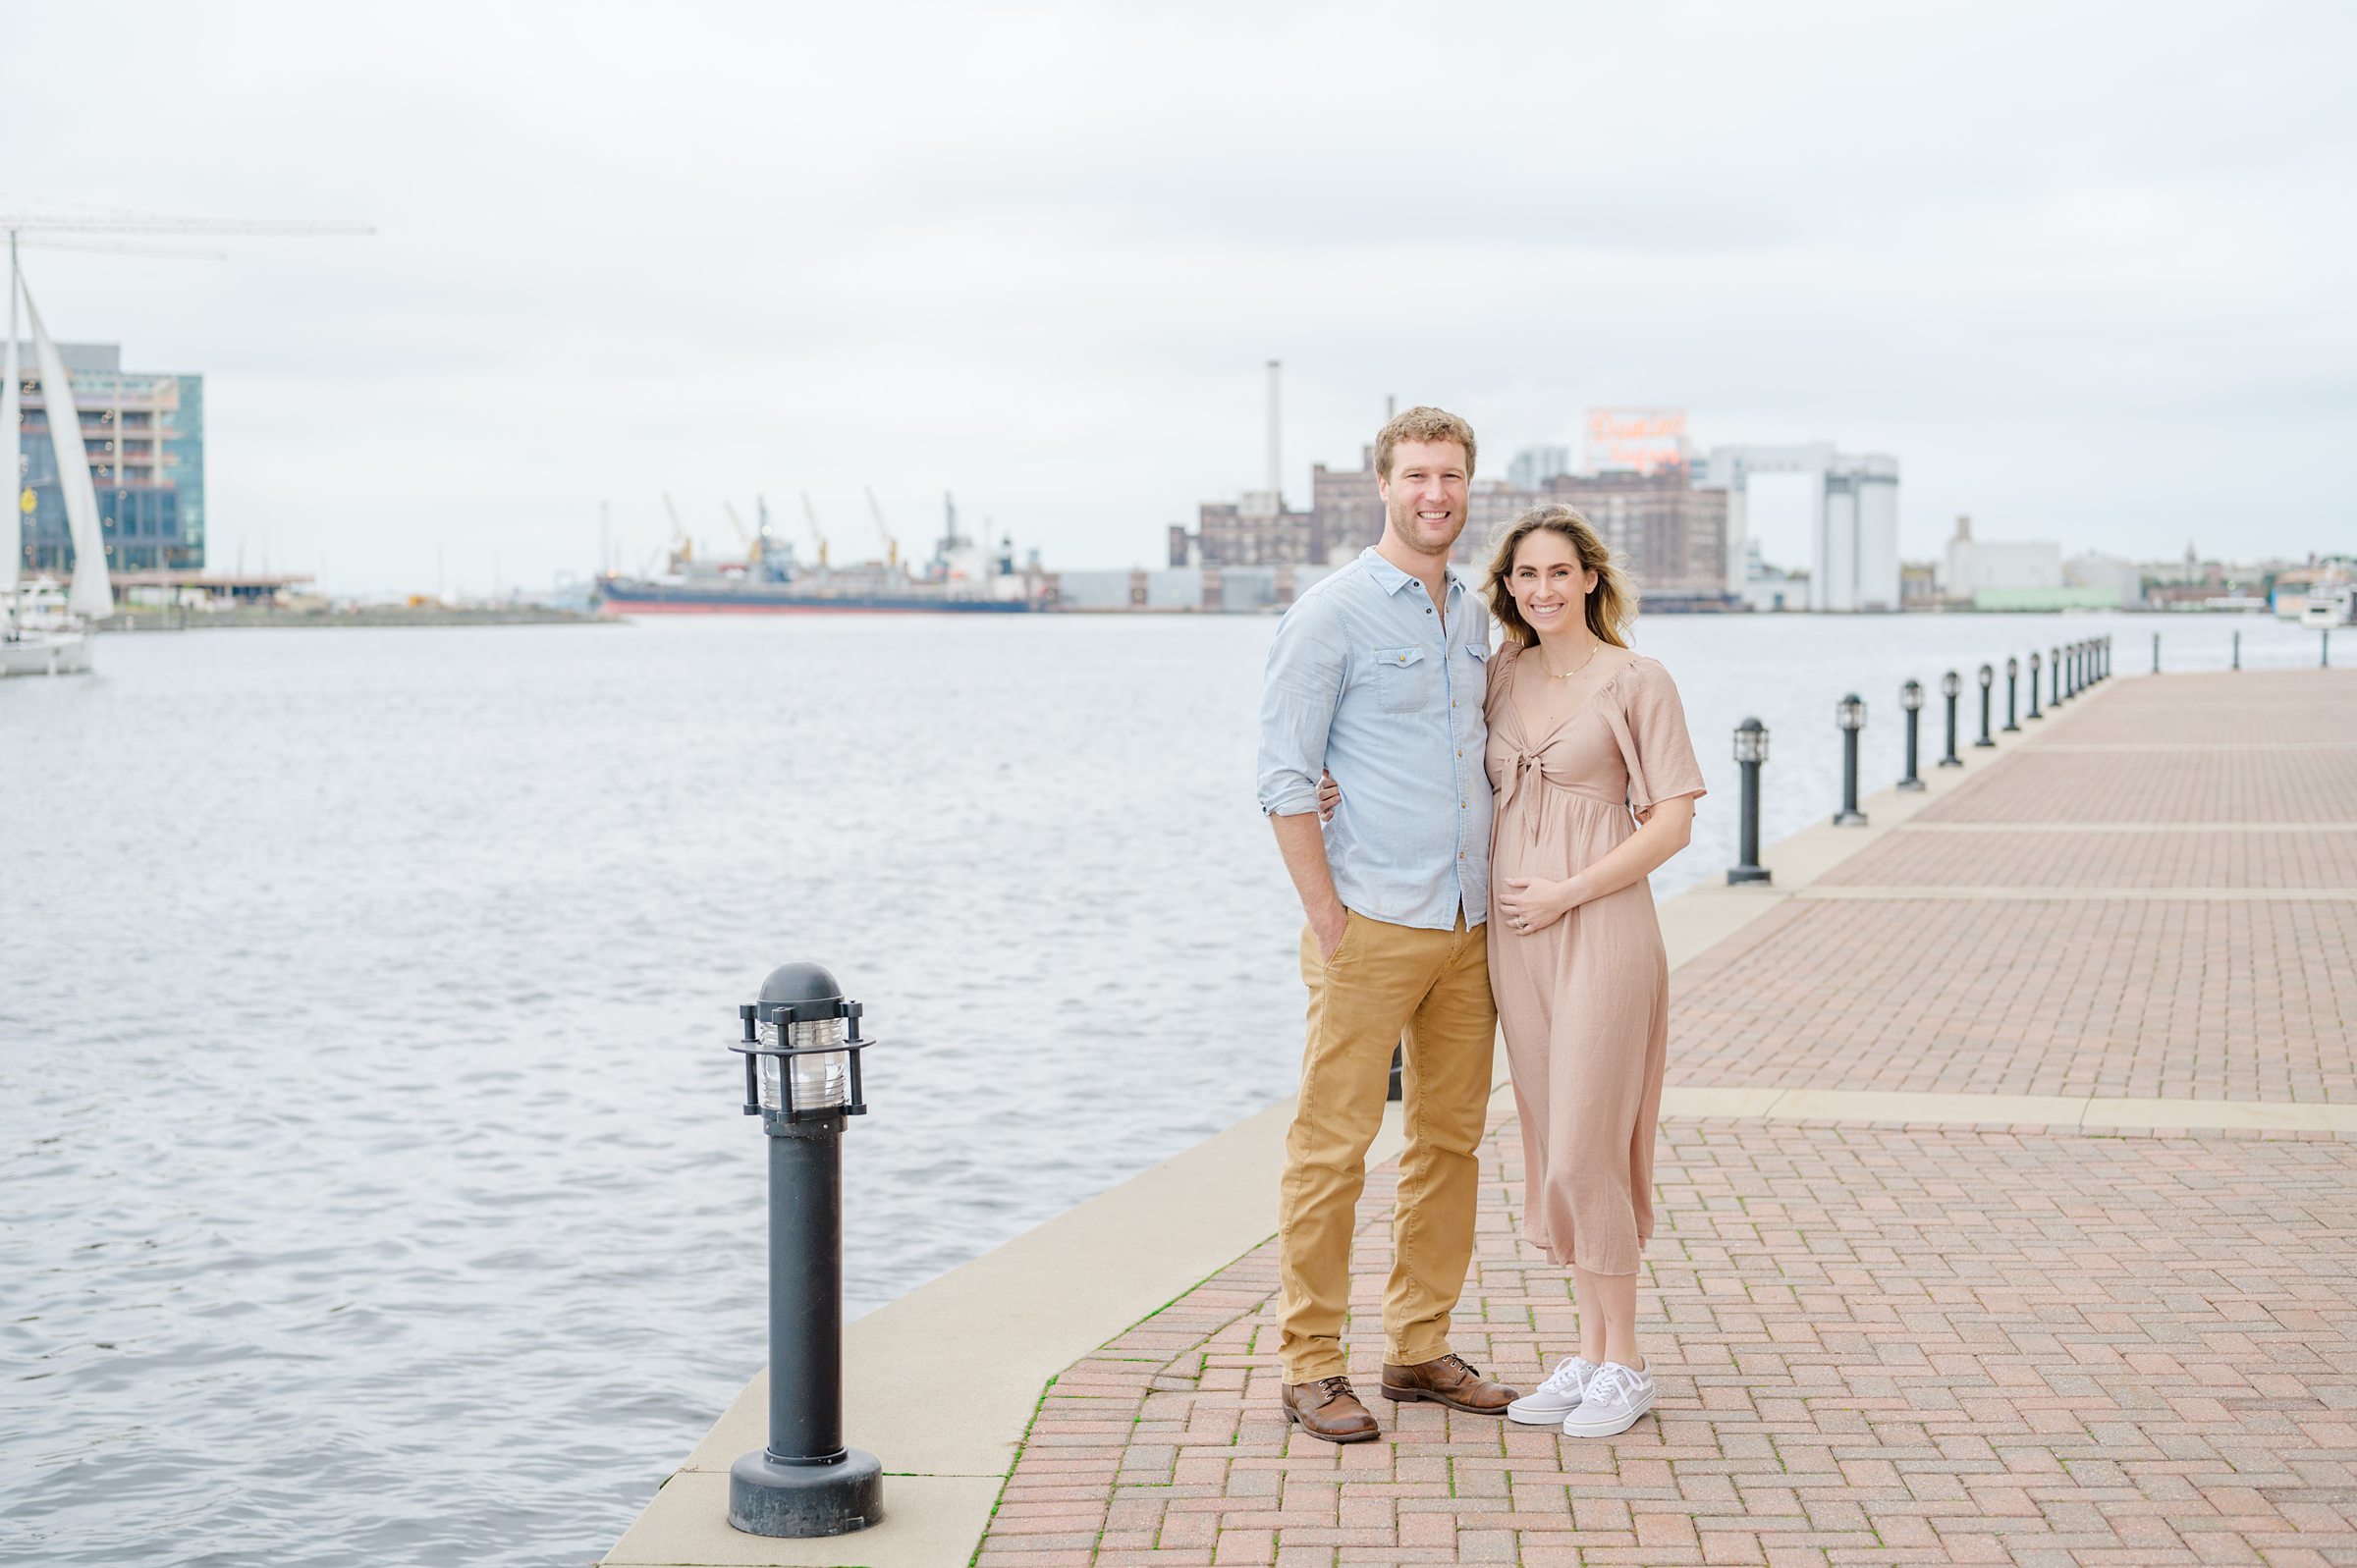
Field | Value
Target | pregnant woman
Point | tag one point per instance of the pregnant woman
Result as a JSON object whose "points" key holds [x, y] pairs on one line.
{"points": [[1595, 782]]}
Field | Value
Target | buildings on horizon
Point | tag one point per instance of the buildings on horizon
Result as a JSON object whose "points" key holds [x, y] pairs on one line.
{"points": [[143, 432], [1677, 520]]}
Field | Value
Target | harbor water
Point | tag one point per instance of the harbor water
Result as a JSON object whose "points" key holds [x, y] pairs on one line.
{"points": [[375, 1189]]}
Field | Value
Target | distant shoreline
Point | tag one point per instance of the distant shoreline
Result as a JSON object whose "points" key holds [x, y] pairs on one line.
{"points": [[372, 615]]}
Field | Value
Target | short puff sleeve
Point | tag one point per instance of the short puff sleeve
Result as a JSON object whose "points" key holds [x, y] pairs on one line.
{"points": [[1660, 754]]}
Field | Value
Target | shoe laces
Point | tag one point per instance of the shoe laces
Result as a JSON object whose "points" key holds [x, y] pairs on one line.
{"points": [[1572, 1373], [1335, 1387], [1452, 1359], [1610, 1380]]}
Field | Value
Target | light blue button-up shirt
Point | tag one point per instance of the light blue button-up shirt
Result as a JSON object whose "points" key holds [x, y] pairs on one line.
{"points": [[1366, 682]]}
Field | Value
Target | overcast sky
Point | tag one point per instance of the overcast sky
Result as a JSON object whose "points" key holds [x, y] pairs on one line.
{"points": [[2085, 271]]}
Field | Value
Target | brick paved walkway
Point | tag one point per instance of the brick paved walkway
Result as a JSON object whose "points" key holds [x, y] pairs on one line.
{"points": [[1877, 1344]]}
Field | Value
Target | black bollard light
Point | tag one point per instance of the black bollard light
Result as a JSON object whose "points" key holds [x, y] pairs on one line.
{"points": [[1751, 749], [2054, 664], [1950, 686], [2071, 656], [2034, 713], [1850, 714], [2103, 660], [1910, 697], [2012, 685], [1988, 679], [2238, 650], [801, 1051], [2324, 656], [2156, 653]]}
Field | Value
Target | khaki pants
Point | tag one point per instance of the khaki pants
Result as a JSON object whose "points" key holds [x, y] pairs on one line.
{"points": [[1385, 980]]}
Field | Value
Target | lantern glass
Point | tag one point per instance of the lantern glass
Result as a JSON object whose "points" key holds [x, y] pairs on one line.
{"points": [[1987, 676], [1950, 683], [2012, 669], [1850, 712], [821, 1082], [1910, 695], [1751, 742], [2034, 661]]}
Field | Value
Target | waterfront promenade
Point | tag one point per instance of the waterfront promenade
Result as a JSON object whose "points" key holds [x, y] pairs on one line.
{"points": [[2010, 1244], [2007, 1213]]}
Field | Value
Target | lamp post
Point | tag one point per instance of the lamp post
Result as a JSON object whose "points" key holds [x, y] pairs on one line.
{"points": [[2102, 659], [2237, 650], [1988, 679], [1850, 714], [2034, 713], [2072, 657], [2012, 685], [1951, 684], [1751, 749], [2055, 661], [2156, 653], [1910, 697], [2323, 657], [801, 1051]]}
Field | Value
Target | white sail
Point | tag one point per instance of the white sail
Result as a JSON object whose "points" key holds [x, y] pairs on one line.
{"points": [[93, 594], [12, 417]]}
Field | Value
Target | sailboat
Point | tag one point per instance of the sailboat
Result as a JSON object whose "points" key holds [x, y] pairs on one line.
{"points": [[35, 637]]}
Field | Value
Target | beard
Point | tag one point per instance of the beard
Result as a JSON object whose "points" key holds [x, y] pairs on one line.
{"points": [[1431, 538]]}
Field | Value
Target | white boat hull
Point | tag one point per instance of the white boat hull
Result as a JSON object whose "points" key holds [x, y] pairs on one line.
{"points": [[46, 653]]}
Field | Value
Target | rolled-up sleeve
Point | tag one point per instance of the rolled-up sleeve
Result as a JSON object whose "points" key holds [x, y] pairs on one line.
{"points": [[1299, 694]]}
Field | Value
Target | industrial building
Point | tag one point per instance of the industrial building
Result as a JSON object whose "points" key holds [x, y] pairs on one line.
{"points": [[1853, 518], [144, 434]]}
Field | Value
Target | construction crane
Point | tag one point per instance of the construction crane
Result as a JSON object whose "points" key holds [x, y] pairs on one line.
{"points": [[745, 535], [892, 546], [681, 545], [810, 512]]}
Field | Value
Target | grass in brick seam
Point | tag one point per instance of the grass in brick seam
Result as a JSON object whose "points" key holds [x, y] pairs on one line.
{"points": [[1038, 1405]]}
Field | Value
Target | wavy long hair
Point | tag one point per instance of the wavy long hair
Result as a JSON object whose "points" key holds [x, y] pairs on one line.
{"points": [[1609, 608]]}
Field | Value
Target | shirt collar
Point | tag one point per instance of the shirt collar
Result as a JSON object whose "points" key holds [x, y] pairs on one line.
{"points": [[1391, 579]]}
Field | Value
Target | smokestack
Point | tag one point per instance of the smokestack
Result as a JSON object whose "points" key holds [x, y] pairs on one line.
{"points": [[1391, 407], [1276, 492]]}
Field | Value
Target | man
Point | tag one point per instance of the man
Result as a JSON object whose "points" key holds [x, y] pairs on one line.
{"points": [[1377, 674]]}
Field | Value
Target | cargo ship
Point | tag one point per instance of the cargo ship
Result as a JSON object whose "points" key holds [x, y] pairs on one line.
{"points": [[962, 577]]}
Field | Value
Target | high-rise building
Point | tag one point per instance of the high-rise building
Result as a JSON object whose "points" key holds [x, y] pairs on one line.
{"points": [[143, 432], [1533, 467]]}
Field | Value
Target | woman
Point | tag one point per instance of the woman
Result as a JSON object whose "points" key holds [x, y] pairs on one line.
{"points": [[1585, 735], [1595, 782]]}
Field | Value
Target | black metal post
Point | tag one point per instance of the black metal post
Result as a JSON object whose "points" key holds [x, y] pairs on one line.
{"points": [[1751, 749], [1397, 1090], [2034, 713], [1910, 697], [2238, 650], [2156, 653], [805, 1483], [2074, 652], [1853, 714], [1988, 678], [2324, 658], [2013, 682], [1949, 685], [2107, 657], [2055, 654]]}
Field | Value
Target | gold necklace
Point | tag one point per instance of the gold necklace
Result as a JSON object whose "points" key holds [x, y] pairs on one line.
{"points": [[1575, 669]]}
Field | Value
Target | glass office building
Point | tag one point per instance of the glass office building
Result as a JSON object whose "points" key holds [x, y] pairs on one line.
{"points": [[144, 436]]}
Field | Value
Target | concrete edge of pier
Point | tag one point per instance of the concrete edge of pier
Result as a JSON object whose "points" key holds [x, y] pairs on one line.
{"points": [[942, 1385]]}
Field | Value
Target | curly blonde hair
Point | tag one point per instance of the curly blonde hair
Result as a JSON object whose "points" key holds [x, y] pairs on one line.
{"points": [[1609, 608], [1422, 423]]}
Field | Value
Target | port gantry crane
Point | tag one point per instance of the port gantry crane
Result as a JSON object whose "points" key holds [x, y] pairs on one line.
{"points": [[892, 546], [810, 512]]}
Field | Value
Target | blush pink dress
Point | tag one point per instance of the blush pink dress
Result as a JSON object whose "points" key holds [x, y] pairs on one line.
{"points": [[1585, 1001]]}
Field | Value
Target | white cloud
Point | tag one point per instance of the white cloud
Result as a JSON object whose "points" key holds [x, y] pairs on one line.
{"points": [[2079, 269]]}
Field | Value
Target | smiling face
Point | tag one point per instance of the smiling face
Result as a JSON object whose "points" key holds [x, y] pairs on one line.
{"points": [[1424, 495], [1549, 586]]}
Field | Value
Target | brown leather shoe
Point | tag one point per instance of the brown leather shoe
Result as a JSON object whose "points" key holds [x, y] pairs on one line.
{"points": [[1327, 1409], [1447, 1382]]}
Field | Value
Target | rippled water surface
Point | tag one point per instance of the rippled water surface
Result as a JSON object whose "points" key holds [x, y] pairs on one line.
{"points": [[373, 1189]]}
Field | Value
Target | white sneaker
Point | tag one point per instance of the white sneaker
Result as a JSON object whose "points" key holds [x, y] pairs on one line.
{"points": [[1614, 1398], [1557, 1397]]}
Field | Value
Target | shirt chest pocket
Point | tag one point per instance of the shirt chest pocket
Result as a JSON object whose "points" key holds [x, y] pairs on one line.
{"points": [[1403, 682]]}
